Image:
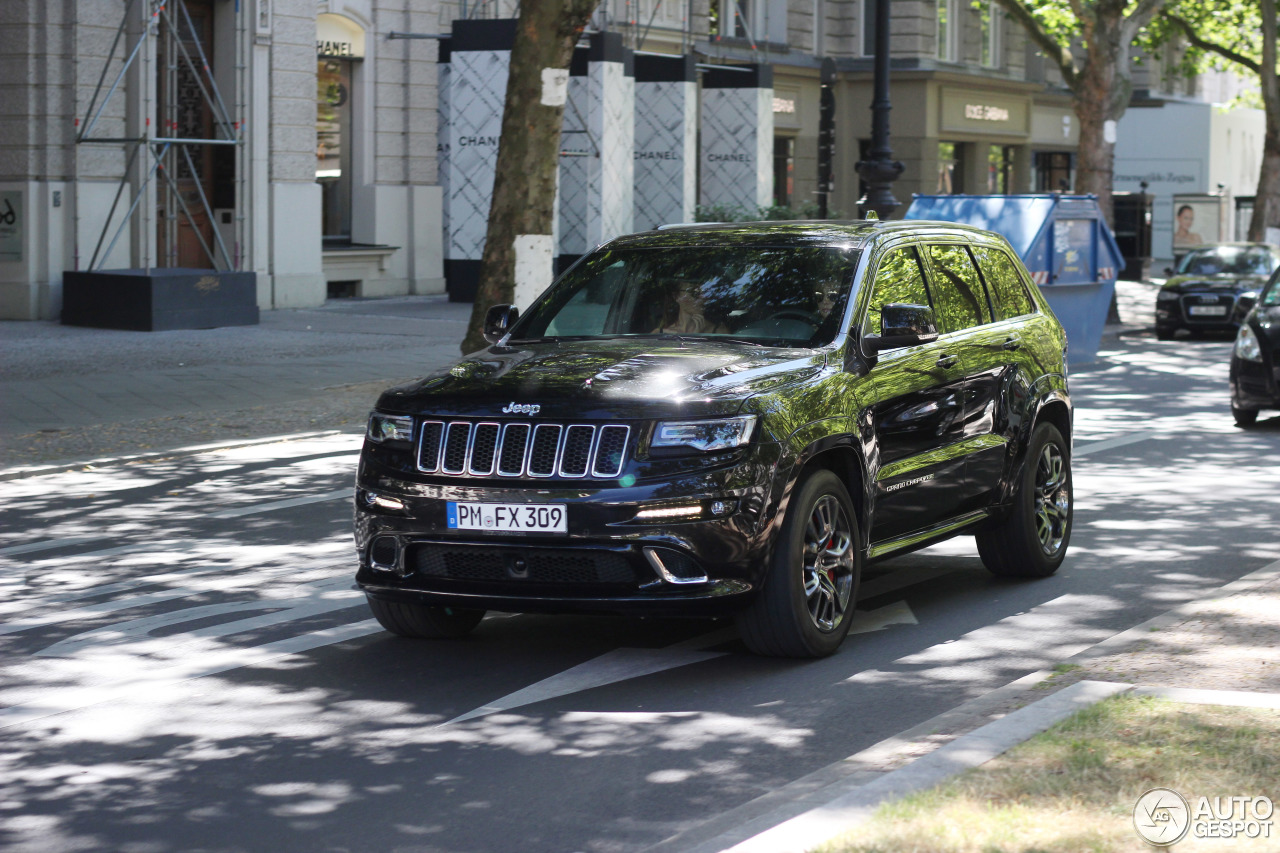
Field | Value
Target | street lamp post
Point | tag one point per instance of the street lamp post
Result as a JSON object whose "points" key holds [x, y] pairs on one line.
{"points": [[881, 170]]}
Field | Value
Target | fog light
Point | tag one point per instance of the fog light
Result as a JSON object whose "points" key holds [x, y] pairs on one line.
{"points": [[693, 511], [720, 509], [382, 501]]}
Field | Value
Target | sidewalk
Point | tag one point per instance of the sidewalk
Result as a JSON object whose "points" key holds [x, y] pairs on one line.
{"points": [[72, 394]]}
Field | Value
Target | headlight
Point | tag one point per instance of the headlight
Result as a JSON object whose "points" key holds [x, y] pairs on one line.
{"points": [[1247, 347], [721, 434], [390, 427], [1167, 296]]}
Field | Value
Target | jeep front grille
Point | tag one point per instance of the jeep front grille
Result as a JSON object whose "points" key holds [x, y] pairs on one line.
{"points": [[486, 448]]}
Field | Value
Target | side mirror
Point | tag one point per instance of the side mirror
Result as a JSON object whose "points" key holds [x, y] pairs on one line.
{"points": [[499, 321], [1247, 300], [902, 325]]}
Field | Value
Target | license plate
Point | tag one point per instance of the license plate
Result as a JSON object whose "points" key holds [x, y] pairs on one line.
{"points": [[1208, 310], [522, 518]]}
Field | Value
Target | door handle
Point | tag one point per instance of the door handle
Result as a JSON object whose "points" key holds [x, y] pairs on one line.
{"points": [[947, 361], [1012, 344]]}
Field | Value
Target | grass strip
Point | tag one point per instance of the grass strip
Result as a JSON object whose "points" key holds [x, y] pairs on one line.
{"points": [[1073, 788]]}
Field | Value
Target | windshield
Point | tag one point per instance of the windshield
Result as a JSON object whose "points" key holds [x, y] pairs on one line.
{"points": [[1228, 260], [774, 296]]}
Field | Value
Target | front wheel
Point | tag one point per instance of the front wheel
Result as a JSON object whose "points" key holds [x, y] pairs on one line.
{"points": [[806, 605], [424, 621], [1244, 417], [1032, 540]]}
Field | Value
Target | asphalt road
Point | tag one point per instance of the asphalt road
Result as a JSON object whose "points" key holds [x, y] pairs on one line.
{"points": [[184, 665]]}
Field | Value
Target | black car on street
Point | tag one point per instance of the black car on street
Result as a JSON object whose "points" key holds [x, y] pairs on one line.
{"points": [[726, 419], [1255, 358], [1212, 287]]}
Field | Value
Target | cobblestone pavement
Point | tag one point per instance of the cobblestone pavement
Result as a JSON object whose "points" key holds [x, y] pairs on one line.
{"points": [[72, 394]]}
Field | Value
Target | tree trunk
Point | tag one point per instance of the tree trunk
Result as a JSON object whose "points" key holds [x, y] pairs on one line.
{"points": [[524, 185], [1266, 202]]}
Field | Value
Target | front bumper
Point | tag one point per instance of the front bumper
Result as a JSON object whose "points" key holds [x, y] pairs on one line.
{"points": [[1254, 385], [608, 561]]}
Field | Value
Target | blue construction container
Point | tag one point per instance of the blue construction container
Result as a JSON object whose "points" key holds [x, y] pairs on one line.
{"points": [[1065, 243]]}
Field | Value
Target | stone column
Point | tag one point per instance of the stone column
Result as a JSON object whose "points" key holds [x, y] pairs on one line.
{"points": [[666, 144], [479, 58], [596, 175], [737, 137]]}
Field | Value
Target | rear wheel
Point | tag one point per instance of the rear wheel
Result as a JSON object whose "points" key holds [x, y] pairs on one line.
{"points": [[1032, 540], [424, 621], [806, 605], [1244, 417]]}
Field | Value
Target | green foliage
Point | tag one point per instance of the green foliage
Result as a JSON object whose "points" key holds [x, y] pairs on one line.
{"points": [[1235, 26], [769, 213]]}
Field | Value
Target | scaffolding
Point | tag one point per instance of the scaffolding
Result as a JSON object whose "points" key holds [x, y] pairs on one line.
{"points": [[174, 76]]}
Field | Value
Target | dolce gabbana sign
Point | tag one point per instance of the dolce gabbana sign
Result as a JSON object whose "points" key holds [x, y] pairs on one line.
{"points": [[338, 37], [986, 113]]}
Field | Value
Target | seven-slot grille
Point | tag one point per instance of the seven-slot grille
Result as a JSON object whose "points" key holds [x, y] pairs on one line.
{"points": [[488, 448]]}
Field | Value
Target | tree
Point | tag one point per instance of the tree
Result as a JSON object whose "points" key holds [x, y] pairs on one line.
{"points": [[524, 185], [1244, 32], [1101, 82]]}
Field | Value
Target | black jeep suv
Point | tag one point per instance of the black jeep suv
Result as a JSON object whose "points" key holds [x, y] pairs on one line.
{"points": [[726, 419]]}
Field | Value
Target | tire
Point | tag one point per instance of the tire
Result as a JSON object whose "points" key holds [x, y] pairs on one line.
{"points": [[422, 621], [1245, 418], [806, 605], [1032, 539]]}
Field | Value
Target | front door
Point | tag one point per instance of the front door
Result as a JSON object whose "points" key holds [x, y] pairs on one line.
{"points": [[916, 415]]}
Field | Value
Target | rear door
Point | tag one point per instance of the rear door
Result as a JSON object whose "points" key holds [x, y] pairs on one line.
{"points": [[1005, 355]]}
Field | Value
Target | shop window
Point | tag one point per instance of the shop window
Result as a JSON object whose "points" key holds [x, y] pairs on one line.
{"points": [[950, 168], [784, 170], [1000, 169], [1052, 171], [333, 145]]}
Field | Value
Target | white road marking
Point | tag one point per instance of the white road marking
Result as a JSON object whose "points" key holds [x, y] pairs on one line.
{"points": [[47, 545], [608, 668], [148, 684], [866, 621], [285, 504], [1111, 443], [323, 597]]}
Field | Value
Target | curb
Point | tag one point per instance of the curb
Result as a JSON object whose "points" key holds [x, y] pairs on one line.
{"points": [[192, 450]]}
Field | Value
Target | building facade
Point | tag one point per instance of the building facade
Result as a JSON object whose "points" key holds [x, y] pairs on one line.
{"points": [[339, 147]]}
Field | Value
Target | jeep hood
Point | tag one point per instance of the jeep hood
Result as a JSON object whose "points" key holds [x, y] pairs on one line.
{"points": [[624, 378]]}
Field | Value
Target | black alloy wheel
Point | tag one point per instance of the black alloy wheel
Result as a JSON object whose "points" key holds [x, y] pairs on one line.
{"points": [[424, 621], [807, 603], [1032, 540]]}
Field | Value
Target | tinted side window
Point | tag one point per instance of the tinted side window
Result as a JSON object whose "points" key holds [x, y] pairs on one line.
{"points": [[898, 279], [958, 298], [1009, 294]]}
